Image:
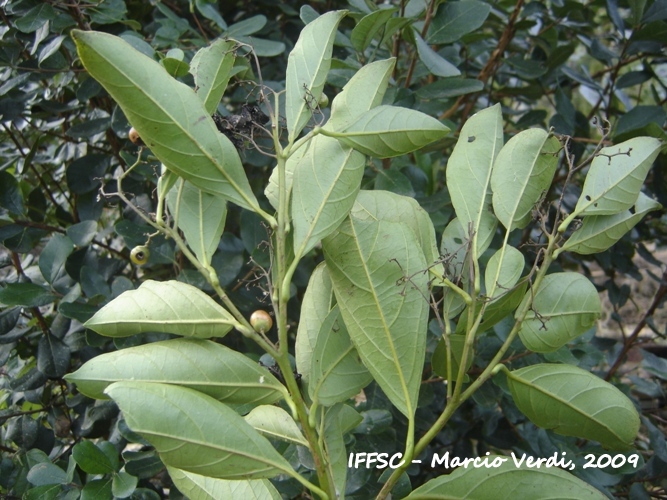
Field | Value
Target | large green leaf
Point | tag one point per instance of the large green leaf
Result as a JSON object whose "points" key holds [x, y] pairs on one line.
{"points": [[200, 215], [455, 19], [363, 92], [368, 26], [337, 373], [212, 67], [616, 176], [168, 116], [522, 173], [574, 402], [205, 366], [168, 306], [378, 204], [386, 317], [25, 294], [317, 302], [503, 271], [435, 63], [565, 305], [196, 433], [54, 256], [275, 423], [599, 232], [469, 168], [506, 481], [387, 131], [338, 421], [325, 184], [307, 68], [197, 487]]}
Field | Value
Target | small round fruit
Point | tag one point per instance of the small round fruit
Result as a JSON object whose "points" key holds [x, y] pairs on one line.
{"points": [[133, 135], [139, 255], [324, 100], [261, 321]]}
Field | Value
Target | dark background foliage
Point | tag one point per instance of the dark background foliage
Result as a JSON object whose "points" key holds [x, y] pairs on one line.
{"points": [[592, 70]]}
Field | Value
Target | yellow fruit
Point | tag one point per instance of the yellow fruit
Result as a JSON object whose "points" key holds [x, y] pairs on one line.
{"points": [[261, 321], [133, 135], [139, 255]]}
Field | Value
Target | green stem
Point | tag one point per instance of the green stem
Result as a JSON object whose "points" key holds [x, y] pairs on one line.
{"points": [[280, 298]]}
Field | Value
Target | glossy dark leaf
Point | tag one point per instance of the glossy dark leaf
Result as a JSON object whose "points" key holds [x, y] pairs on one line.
{"points": [[91, 459], [25, 294], [53, 356], [10, 194], [455, 19]]}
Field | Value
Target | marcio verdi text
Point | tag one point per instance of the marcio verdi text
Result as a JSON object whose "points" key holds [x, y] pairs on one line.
{"points": [[383, 460]]}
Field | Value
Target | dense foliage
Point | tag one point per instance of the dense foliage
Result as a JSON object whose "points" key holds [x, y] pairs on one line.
{"points": [[594, 73]]}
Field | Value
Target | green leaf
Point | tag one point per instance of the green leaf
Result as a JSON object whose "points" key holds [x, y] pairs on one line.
{"points": [[97, 489], [469, 170], [170, 307], [503, 271], [433, 61], [275, 423], [25, 294], [200, 215], [574, 402], [368, 26], [82, 233], [565, 305], [46, 473], [53, 356], [35, 18], [337, 373], [338, 420], [168, 116], [307, 68], [439, 359], [91, 459], [506, 481], [197, 487], [53, 257], [326, 181], [123, 484], [375, 205], [317, 302], [449, 87], [262, 47], [522, 173], [196, 433], [10, 193], [205, 366], [45, 492], [212, 68], [248, 26], [175, 67], [387, 131], [84, 174], [363, 92], [368, 261], [455, 19], [616, 176], [599, 232]]}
